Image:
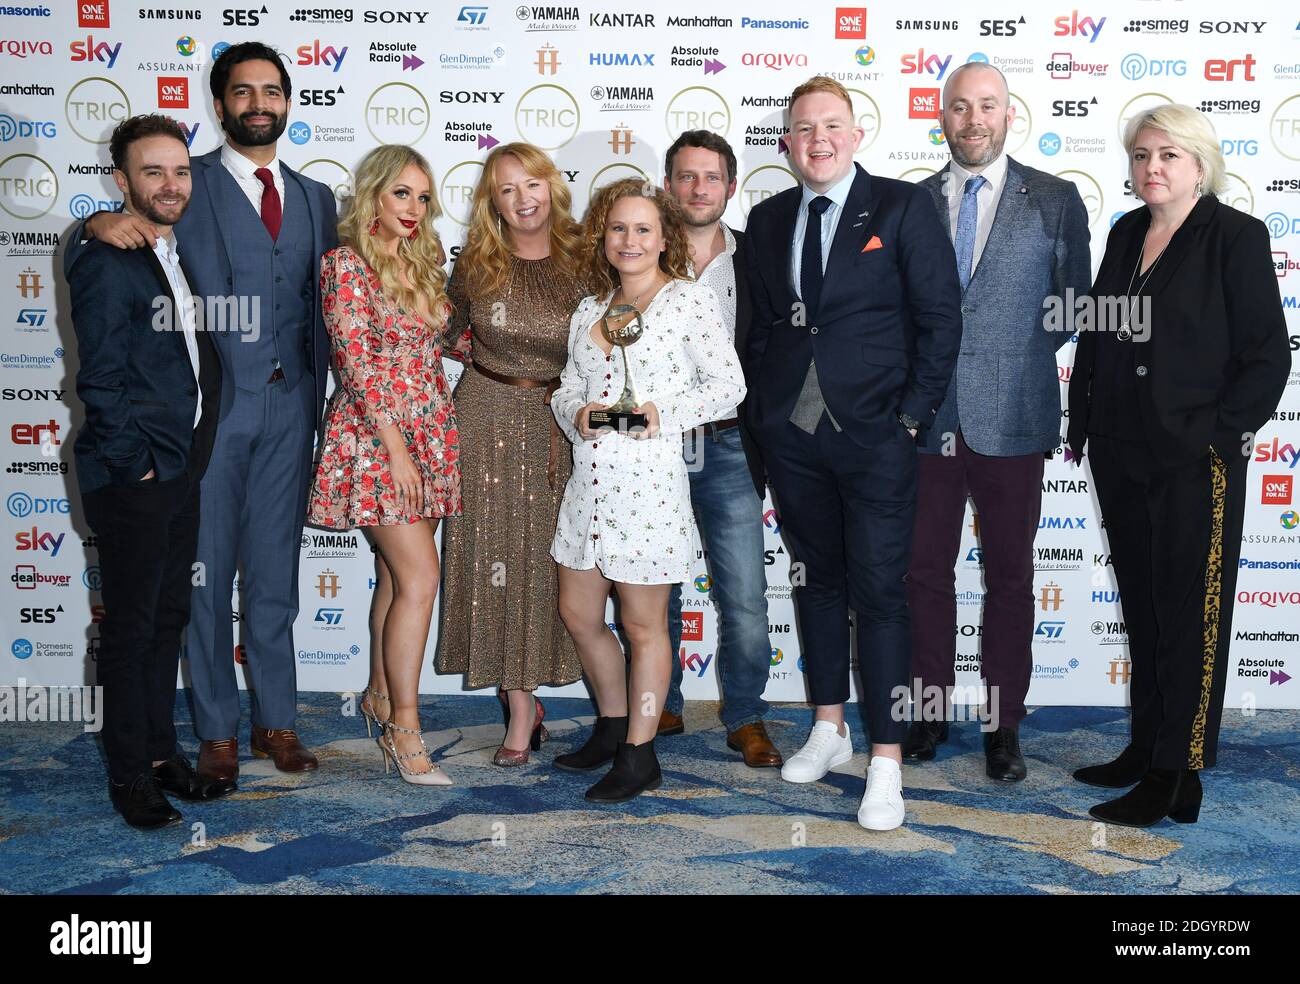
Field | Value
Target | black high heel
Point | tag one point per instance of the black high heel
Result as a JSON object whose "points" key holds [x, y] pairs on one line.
{"points": [[1172, 793]]}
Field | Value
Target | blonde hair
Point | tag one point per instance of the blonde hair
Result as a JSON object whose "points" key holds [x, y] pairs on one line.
{"points": [[422, 256], [485, 258], [819, 83], [674, 260], [1188, 128]]}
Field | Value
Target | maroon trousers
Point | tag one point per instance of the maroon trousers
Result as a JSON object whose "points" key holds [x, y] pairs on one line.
{"points": [[1007, 493]]}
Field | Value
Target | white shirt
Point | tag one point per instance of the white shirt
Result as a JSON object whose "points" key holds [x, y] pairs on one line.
{"points": [[244, 172], [165, 250], [720, 275], [838, 194], [986, 200]]}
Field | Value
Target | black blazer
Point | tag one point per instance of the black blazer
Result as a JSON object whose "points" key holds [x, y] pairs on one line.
{"points": [[889, 326], [745, 314], [135, 381], [1217, 359]]}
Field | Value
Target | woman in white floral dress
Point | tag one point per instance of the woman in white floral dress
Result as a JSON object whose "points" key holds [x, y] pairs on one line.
{"points": [[626, 518]]}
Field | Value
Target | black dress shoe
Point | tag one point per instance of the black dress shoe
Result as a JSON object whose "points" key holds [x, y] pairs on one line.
{"points": [[1172, 793], [142, 803], [1129, 768], [1002, 757], [600, 747], [923, 737], [635, 770], [178, 777]]}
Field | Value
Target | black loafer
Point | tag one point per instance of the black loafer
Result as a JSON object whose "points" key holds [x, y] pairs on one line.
{"points": [[177, 776], [923, 738], [1002, 755], [142, 803]]}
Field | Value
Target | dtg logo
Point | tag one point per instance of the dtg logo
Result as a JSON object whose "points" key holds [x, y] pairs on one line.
{"points": [[1280, 224], [22, 505]]}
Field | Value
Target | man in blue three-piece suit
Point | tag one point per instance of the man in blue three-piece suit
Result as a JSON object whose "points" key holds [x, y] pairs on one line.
{"points": [[254, 234], [855, 332], [1021, 239]]}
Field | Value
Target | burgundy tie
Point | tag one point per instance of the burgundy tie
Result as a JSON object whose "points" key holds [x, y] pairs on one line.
{"points": [[270, 202]]}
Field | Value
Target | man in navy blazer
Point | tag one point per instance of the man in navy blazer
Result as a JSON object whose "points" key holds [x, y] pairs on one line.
{"points": [[251, 242], [1021, 239], [150, 383], [855, 330]]}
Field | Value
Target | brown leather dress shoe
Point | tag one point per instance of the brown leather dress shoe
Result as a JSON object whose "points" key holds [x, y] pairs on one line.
{"points": [[752, 742], [219, 761], [670, 724], [283, 748]]}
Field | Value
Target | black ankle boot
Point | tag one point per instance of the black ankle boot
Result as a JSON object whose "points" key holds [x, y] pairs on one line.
{"points": [[1129, 768], [635, 770], [600, 747], [1172, 793]]}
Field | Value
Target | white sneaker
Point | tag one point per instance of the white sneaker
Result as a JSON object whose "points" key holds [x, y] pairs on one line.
{"points": [[882, 803], [823, 750]]}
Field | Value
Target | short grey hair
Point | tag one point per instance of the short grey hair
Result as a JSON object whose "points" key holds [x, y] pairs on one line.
{"points": [[1188, 128]]}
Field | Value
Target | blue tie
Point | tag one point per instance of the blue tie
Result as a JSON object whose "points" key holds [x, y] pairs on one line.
{"points": [[810, 262], [967, 223]]}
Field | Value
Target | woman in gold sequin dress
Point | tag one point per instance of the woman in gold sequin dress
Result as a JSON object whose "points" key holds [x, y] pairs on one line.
{"points": [[514, 286]]}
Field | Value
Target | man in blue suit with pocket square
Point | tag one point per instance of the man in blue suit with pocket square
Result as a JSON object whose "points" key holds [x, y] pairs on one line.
{"points": [[251, 243], [855, 331], [150, 383]]}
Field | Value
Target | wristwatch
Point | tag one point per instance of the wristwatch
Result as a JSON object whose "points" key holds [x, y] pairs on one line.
{"points": [[911, 423]]}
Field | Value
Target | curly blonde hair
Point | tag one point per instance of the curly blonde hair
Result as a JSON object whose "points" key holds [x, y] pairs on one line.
{"points": [[423, 256], [602, 277], [485, 257]]}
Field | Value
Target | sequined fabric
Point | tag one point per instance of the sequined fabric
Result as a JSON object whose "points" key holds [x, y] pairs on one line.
{"points": [[500, 617]]}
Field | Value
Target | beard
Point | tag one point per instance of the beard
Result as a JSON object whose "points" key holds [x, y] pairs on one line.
{"points": [[252, 136], [993, 148], [146, 209], [698, 221]]}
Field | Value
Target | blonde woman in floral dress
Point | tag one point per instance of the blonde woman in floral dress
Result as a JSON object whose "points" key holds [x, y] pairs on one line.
{"points": [[389, 460]]}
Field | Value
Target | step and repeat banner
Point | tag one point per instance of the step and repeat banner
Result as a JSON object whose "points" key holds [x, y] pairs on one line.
{"points": [[605, 89]]}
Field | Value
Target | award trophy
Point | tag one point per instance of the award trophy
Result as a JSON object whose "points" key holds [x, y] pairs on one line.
{"points": [[620, 415]]}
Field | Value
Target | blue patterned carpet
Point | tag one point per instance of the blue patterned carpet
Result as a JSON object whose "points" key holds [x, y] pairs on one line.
{"points": [[714, 827]]}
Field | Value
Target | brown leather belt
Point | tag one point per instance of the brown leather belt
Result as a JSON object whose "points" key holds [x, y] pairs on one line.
{"points": [[552, 467]]}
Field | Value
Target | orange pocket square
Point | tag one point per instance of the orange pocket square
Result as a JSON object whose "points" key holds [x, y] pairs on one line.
{"points": [[873, 243]]}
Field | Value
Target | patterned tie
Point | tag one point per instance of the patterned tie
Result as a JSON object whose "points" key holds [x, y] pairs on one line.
{"points": [[271, 213], [967, 223], [810, 263]]}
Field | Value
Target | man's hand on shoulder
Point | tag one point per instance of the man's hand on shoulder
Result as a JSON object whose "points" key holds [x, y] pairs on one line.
{"points": [[121, 230]]}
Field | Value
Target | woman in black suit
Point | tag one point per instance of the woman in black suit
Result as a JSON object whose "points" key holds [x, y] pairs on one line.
{"points": [[1185, 358]]}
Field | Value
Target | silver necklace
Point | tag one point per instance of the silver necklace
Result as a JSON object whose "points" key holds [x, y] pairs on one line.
{"points": [[1128, 312]]}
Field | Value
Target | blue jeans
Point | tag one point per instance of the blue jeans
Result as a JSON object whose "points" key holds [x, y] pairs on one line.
{"points": [[730, 518]]}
